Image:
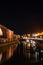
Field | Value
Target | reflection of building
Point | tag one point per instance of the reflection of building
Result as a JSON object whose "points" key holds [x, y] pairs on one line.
{"points": [[6, 33]]}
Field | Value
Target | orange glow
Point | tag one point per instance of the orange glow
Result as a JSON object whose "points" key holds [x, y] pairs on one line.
{"points": [[35, 34], [42, 33], [29, 45], [38, 34], [28, 35]]}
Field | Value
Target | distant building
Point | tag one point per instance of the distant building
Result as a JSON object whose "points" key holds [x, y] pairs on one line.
{"points": [[16, 36]]}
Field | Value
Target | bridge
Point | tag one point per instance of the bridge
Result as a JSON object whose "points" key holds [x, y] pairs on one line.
{"points": [[33, 38], [38, 41]]}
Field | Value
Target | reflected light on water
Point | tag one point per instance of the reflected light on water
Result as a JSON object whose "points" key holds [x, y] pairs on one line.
{"points": [[9, 53], [0, 57]]}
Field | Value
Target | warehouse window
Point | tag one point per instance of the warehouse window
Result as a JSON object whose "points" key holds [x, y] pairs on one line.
{"points": [[1, 32]]}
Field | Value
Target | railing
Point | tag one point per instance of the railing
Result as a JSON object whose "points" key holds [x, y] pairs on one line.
{"points": [[33, 38], [9, 43]]}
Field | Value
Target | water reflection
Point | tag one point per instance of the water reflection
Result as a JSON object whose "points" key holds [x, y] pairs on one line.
{"points": [[25, 52], [7, 52], [0, 57], [32, 51]]}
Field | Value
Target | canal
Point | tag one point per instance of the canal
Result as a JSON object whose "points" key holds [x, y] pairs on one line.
{"points": [[23, 53]]}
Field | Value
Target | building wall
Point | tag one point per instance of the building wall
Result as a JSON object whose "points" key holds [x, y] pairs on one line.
{"points": [[7, 33], [10, 35]]}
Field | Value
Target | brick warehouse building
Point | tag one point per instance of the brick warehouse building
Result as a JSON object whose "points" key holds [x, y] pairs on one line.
{"points": [[6, 52], [6, 33]]}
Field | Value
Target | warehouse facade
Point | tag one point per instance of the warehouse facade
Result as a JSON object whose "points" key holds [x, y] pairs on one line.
{"points": [[6, 33]]}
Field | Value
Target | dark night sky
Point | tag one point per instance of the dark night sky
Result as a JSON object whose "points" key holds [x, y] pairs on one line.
{"points": [[23, 17]]}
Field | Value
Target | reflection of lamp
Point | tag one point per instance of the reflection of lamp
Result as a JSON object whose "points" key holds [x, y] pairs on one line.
{"points": [[28, 44], [27, 40], [33, 43], [1, 33]]}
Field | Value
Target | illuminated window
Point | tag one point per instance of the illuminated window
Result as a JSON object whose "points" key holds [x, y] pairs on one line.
{"points": [[1, 33]]}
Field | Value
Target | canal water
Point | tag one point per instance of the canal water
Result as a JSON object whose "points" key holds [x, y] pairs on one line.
{"points": [[24, 55]]}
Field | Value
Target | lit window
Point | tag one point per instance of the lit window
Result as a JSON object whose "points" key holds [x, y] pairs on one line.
{"points": [[1, 33]]}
